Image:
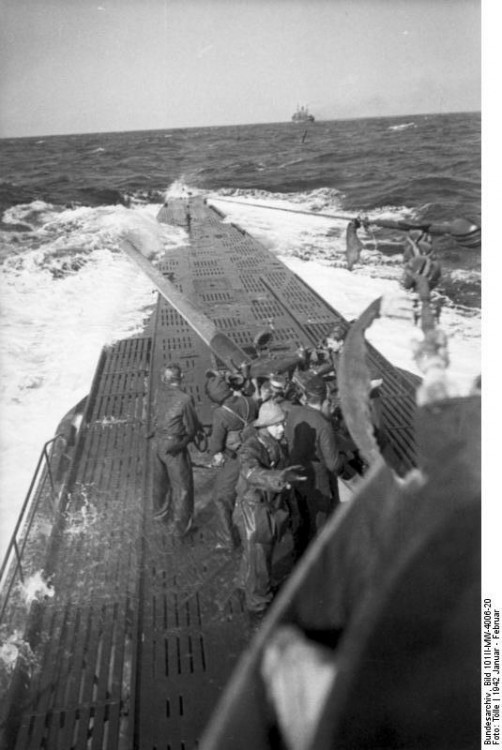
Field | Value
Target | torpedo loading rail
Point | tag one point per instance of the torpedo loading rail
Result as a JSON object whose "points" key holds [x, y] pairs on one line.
{"points": [[142, 631]]}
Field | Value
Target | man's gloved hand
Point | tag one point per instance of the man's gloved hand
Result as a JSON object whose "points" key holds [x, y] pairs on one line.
{"points": [[293, 474]]}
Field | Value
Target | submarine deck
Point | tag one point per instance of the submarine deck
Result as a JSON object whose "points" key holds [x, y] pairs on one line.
{"points": [[143, 630]]}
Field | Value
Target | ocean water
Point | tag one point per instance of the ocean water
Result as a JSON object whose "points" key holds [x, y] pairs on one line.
{"points": [[66, 289]]}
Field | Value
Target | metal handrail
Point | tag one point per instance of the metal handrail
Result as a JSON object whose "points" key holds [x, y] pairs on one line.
{"points": [[13, 546]]}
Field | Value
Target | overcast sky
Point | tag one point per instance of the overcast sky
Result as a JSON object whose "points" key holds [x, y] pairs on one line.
{"points": [[74, 66]]}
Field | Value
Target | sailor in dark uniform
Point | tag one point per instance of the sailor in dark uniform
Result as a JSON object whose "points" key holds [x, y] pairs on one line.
{"points": [[277, 389], [313, 444], [175, 426], [261, 512], [325, 360], [282, 393], [234, 412]]}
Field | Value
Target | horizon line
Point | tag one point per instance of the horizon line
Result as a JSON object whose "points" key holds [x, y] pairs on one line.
{"points": [[241, 124]]}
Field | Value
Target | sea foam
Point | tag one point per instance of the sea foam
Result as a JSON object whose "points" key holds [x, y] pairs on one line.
{"points": [[56, 315], [68, 290]]}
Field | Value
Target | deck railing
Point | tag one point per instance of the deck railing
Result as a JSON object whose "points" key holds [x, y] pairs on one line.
{"points": [[13, 559]]}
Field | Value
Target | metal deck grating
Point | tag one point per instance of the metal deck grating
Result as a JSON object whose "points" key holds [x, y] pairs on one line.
{"points": [[195, 630], [82, 637], [143, 631]]}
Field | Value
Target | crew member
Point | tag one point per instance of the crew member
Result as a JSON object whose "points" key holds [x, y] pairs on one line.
{"points": [[313, 445], [175, 426], [327, 368], [325, 361], [260, 509], [282, 393], [234, 412], [419, 244]]}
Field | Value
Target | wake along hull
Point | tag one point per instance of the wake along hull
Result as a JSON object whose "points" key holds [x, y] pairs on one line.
{"points": [[143, 630]]}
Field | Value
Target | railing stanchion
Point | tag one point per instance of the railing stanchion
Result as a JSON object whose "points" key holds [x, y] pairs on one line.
{"points": [[13, 546], [19, 565]]}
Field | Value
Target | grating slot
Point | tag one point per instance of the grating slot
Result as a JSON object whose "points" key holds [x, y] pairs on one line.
{"points": [[190, 655], [197, 605], [170, 318], [49, 676], [177, 343], [221, 284], [228, 323], [202, 653], [199, 263], [172, 262], [165, 612], [276, 279], [290, 335], [252, 283], [267, 309], [129, 354], [214, 297], [246, 262], [243, 338], [204, 272], [397, 412], [178, 654]]}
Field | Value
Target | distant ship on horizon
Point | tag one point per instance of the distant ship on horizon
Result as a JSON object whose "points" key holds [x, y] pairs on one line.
{"points": [[302, 114]]}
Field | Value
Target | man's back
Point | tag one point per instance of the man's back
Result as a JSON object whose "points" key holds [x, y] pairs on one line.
{"points": [[231, 417], [311, 438], [174, 413], [312, 445]]}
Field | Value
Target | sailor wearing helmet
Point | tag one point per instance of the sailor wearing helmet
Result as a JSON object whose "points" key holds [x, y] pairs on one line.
{"points": [[261, 510]]}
